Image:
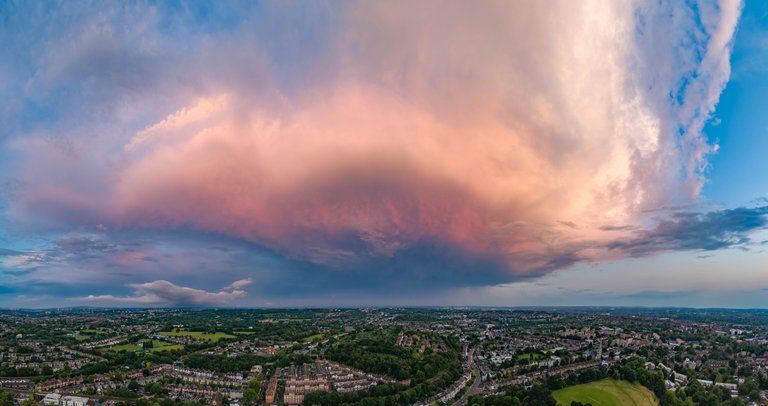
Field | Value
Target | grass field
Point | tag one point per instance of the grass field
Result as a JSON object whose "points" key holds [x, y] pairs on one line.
{"points": [[533, 356], [607, 392], [315, 337], [157, 345], [199, 335], [124, 347], [165, 346], [89, 334]]}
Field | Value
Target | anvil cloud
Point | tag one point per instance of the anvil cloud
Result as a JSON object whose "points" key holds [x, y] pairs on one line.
{"points": [[443, 144]]}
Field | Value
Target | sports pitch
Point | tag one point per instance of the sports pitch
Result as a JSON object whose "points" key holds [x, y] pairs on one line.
{"points": [[607, 392]]}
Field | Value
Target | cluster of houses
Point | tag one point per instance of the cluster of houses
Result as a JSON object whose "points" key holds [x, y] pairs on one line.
{"points": [[37, 357], [200, 377], [198, 384], [56, 399], [320, 375], [193, 383], [447, 395], [201, 392], [237, 348], [346, 379], [107, 342], [296, 388], [405, 340]]}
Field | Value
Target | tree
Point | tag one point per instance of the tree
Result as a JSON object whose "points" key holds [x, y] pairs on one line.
{"points": [[555, 382], [539, 395], [154, 388], [630, 375], [6, 399], [250, 396]]}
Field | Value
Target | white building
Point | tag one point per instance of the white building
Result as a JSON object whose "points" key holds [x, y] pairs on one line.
{"points": [[52, 399], [74, 401]]}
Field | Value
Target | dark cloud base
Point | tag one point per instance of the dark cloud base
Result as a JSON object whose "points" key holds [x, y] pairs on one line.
{"points": [[691, 231], [428, 266]]}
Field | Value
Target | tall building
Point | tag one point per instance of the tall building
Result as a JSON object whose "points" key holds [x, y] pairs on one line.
{"points": [[271, 389]]}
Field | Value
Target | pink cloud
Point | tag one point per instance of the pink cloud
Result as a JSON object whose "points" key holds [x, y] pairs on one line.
{"points": [[161, 292], [487, 126]]}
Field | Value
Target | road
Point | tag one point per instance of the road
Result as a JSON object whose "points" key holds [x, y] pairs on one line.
{"points": [[474, 388]]}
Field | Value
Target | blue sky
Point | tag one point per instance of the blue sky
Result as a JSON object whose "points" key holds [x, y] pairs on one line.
{"points": [[383, 153], [740, 126]]}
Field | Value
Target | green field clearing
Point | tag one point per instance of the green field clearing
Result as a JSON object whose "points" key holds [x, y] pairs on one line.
{"points": [[88, 334], [90, 331], [315, 337], [124, 347], [157, 345], [199, 335], [534, 356], [165, 346], [607, 392], [244, 333]]}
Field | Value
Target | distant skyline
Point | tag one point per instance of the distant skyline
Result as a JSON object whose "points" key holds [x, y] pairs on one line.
{"points": [[383, 153]]}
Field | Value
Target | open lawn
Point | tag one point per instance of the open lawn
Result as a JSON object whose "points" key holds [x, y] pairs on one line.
{"points": [[124, 347], [607, 392], [199, 335], [315, 337], [157, 345], [532, 356], [89, 334]]}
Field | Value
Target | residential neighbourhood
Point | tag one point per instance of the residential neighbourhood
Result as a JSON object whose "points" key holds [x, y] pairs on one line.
{"points": [[400, 356]]}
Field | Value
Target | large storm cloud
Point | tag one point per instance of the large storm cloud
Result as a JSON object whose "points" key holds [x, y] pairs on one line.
{"points": [[442, 143]]}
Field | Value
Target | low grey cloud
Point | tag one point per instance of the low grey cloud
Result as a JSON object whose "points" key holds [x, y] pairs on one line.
{"points": [[691, 231], [660, 295], [429, 266], [617, 228]]}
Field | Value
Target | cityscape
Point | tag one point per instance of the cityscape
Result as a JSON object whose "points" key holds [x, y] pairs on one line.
{"points": [[384, 356], [384, 202]]}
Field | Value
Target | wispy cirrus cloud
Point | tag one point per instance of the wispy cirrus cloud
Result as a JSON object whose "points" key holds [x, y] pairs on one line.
{"points": [[9, 252]]}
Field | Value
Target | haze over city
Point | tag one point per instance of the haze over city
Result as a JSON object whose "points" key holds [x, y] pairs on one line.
{"points": [[415, 153]]}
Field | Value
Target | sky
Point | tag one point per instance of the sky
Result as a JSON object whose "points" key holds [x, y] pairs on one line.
{"points": [[344, 153]]}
